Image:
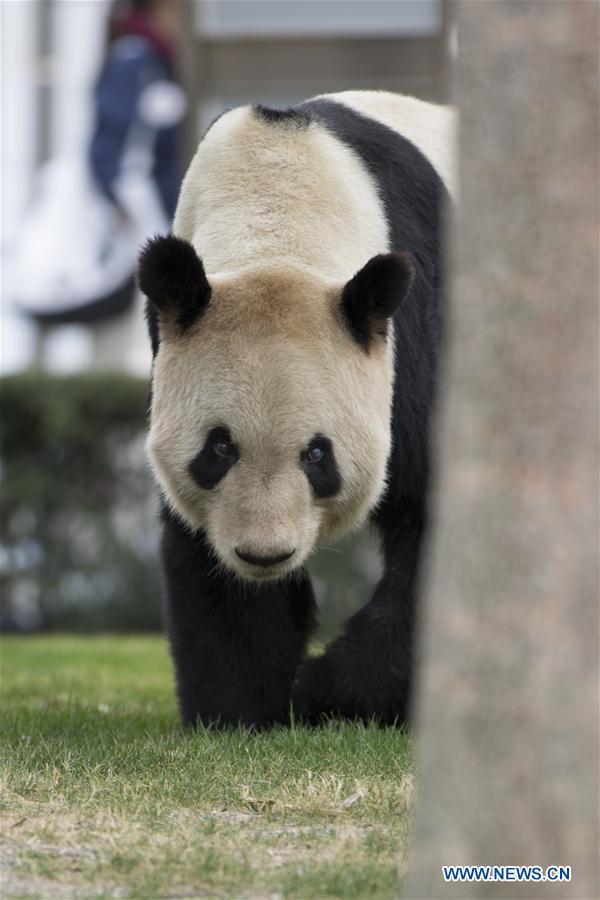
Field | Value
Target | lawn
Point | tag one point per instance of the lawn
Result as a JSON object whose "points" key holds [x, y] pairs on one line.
{"points": [[104, 795]]}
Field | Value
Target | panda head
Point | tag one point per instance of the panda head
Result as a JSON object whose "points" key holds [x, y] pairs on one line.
{"points": [[271, 400]]}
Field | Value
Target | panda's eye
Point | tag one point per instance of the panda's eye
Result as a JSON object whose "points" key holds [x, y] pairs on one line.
{"points": [[223, 448], [315, 454]]}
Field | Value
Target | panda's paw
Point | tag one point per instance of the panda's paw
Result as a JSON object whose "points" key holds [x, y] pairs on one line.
{"points": [[343, 684], [311, 693]]}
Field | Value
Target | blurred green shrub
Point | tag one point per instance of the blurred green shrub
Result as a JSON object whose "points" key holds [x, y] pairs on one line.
{"points": [[78, 542]]}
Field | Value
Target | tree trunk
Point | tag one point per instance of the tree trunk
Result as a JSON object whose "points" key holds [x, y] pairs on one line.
{"points": [[508, 715]]}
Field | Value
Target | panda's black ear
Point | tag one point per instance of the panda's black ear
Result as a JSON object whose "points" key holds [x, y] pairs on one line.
{"points": [[172, 276], [375, 293]]}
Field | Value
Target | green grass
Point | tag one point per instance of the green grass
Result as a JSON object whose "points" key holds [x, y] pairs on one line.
{"points": [[104, 795]]}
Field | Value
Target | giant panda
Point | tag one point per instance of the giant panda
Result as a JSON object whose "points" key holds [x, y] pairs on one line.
{"points": [[294, 314]]}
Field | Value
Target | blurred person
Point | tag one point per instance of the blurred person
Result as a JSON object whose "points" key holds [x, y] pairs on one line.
{"points": [[76, 259], [138, 111], [136, 97]]}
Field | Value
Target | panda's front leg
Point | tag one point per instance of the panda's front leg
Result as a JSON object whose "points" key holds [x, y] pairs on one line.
{"points": [[366, 673], [235, 645]]}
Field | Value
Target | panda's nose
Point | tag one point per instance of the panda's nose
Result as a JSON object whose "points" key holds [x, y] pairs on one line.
{"points": [[264, 561]]}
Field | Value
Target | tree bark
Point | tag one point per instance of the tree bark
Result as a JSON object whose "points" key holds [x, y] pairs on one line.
{"points": [[508, 700]]}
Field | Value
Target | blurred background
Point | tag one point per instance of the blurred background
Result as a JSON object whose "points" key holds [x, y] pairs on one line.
{"points": [[103, 104]]}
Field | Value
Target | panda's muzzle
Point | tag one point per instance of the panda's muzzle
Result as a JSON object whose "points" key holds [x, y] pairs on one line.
{"points": [[263, 561]]}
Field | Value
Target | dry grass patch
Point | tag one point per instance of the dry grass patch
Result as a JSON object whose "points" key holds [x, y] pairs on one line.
{"points": [[103, 795]]}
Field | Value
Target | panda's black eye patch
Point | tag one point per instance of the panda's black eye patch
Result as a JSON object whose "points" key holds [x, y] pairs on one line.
{"points": [[319, 464], [215, 459]]}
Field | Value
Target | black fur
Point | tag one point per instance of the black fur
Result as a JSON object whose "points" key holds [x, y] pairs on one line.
{"points": [[324, 476], [172, 276], [208, 468], [237, 647], [292, 116], [367, 672], [151, 313], [374, 294]]}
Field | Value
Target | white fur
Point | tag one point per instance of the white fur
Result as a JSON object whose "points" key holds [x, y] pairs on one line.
{"points": [[282, 215], [429, 127], [249, 196], [271, 360]]}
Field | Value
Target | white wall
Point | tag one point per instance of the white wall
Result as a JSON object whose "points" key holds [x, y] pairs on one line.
{"points": [[77, 42], [76, 39]]}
